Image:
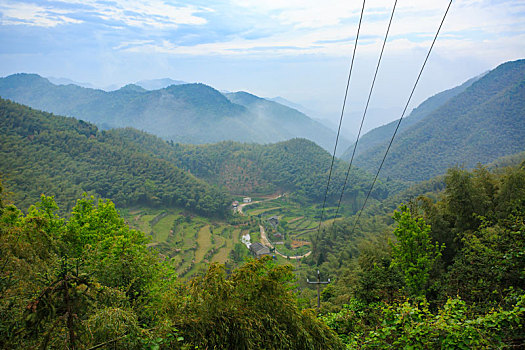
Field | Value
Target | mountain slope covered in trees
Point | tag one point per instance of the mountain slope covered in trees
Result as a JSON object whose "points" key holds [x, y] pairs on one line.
{"points": [[480, 124], [131, 167], [298, 166], [65, 157], [187, 113], [383, 134]]}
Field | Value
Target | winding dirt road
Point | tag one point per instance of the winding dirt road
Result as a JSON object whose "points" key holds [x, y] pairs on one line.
{"points": [[264, 238], [266, 242], [242, 205]]}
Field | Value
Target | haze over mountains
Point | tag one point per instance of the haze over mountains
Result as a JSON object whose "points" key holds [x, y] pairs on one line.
{"points": [[155, 84], [476, 122], [68, 157], [186, 113]]}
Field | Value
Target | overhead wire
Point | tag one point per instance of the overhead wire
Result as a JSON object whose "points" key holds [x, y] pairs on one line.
{"points": [[341, 117], [364, 113], [402, 115]]}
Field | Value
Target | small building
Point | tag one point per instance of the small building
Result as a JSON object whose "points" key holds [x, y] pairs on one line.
{"points": [[247, 200], [258, 249], [235, 204]]}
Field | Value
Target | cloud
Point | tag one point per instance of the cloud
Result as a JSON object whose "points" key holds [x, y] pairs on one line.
{"points": [[16, 13], [132, 13], [269, 27], [261, 29]]}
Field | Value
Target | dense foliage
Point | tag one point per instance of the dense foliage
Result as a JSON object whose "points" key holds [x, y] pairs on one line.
{"points": [[65, 157], [450, 274], [382, 134], [91, 282], [484, 122], [298, 166]]}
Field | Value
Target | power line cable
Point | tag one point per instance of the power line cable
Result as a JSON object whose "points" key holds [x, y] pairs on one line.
{"points": [[341, 117], [364, 113], [402, 115]]}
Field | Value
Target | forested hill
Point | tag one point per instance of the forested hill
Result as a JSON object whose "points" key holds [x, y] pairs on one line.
{"points": [[298, 166], [480, 124], [186, 113], [290, 121], [65, 157], [382, 134]]}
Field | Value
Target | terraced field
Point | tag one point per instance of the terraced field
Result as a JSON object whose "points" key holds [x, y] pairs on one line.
{"points": [[296, 223], [203, 243], [191, 242]]}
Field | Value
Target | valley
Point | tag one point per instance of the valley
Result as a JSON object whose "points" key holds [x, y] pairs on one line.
{"points": [[192, 242], [195, 230], [245, 175]]}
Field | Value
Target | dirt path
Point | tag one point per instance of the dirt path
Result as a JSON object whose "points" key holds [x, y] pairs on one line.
{"points": [[242, 205], [264, 238], [266, 242]]}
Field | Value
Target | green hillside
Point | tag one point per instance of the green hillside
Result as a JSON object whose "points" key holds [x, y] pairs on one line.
{"points": [[298, 166], [187, 113], [289, 121], [382, 134], [445, 271], [484, 122], [65, 157]]}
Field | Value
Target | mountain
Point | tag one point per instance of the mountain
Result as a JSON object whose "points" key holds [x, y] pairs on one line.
{"points": [[384, 133], [66, 157], [66, 81], [156, 84], [474, 123], [298, 167], [288, 103], [346, 135], [189, 113], [291, 122], [375, 117]]}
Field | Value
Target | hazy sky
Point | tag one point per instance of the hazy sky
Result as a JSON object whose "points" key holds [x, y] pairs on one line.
{"points": [[297, 49]]}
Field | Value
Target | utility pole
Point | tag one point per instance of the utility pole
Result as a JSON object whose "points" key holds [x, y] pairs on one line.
{"points": [[318, 288]]}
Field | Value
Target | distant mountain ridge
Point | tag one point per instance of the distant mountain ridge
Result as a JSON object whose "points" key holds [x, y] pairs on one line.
{"points": [[476, 122], [383, 133], [156, 84], [187, 113], [66, 157]]}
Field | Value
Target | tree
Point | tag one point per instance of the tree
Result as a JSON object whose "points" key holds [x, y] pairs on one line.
{"points": [[253, 308], [414, 252]]}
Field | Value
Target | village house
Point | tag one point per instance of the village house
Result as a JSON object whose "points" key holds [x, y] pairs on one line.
{"points": [[247, 200], [258, 249]]}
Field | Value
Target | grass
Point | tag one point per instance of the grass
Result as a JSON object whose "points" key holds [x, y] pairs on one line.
{"points": [[203, 243], [236, 235], [161, 229], [186, 262], [142, 222], [263, 210], [222, 255], [188, 234]]}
